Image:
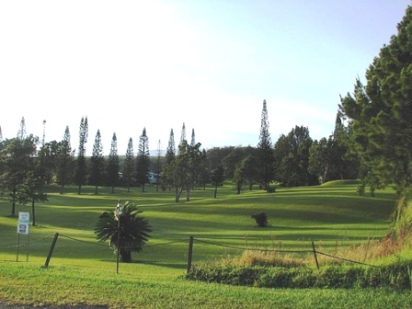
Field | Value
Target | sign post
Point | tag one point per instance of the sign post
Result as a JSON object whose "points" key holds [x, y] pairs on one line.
{"points": [[23, 227]]}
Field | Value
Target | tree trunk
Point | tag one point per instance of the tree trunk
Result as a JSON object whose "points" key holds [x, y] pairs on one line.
{"points": [[187, 193], [125, 255], [33, 212], [13, 203], [13, 208], [178, 193], [215, 194]]}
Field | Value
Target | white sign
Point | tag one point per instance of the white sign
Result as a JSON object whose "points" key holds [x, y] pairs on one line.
{"points": [[24, 223]]}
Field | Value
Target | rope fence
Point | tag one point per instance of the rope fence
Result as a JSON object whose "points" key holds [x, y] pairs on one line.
{"points": [[191, 242]]}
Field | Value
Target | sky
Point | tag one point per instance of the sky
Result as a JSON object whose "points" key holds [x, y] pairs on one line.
{"points": [[208, 64]]}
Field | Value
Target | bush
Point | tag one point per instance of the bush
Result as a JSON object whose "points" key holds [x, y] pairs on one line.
{"points": [[261, 219], [396, 275]]}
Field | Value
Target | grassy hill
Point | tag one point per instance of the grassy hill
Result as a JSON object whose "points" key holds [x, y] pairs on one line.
{"points": [[83, 271]]}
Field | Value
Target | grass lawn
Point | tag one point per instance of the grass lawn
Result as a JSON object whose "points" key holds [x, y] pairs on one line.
{"points": [[83, 271]]}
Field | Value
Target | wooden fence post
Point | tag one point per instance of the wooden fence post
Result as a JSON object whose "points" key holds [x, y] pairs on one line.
{"points": [[51, 250], [190, 254], [314, 253]]}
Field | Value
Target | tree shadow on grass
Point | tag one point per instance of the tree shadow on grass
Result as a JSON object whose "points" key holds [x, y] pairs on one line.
{"points": [[155, 263]]}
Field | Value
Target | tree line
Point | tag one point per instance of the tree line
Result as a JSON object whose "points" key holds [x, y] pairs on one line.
{"points": [[371, 141], [28, 164]]}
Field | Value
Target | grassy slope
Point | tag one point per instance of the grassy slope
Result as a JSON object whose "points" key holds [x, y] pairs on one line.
{"points": [[82, 271]]}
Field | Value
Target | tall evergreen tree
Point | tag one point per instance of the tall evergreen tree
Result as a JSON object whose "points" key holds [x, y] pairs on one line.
{"points": [[193, 139], [129, 165], [380, 113], [80, 176], [183, 133], [64, 161], [265, 154], [97, 163], [113, 167], [171, 148], [166, 181], [22, 134], [143, 160]]}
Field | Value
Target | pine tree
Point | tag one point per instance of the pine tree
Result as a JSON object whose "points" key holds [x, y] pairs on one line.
{"points": [[129, 164], [97, 163], [166, 180], [193, 139], [143, 160], [183, 133], [113, 164], [21, 134], [171, 148], [81, 164], [265, 152], [380, 113], [64, 160]]}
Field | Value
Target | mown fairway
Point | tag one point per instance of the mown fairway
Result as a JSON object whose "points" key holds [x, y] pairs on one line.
{"points": [[83, 271]]}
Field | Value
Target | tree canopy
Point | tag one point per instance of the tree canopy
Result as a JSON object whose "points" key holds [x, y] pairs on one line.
{"points": [[380, 113]]}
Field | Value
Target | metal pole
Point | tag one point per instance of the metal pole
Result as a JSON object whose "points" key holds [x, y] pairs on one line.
{"points": [[118, 245], [190, 254], [18, 246], [27, 247]]}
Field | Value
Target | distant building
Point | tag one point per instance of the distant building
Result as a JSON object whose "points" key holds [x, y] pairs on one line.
{"points": [[153, 178]]}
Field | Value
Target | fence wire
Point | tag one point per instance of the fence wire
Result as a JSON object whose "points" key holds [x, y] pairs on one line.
{"points": [[31, 242]]}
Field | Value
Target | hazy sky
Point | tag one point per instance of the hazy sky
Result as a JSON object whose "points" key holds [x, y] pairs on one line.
{"points": [[209, 64]]}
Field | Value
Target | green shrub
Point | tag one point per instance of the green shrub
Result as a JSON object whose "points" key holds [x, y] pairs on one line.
{"points": [[261, 219], [396, 275]]}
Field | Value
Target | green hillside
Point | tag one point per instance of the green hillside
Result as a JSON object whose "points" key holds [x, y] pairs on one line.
{"points": [[83, 271]]}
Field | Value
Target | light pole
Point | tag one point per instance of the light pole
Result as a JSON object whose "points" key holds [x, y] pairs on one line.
{"points": [[117, 213]]}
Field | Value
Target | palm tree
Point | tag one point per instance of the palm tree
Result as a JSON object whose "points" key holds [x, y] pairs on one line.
{"points": [[126, 230]]}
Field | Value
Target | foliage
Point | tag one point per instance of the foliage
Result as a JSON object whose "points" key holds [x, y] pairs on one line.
{"points": [[143, 160], [261, 219], [217, 178], [395, 275], [127, 233], [97, 163], [128, 166], [182, 172], [64, 160], [113, 166], [331, 159], [380, 113], [80, 176], [292, 158], [265, 155], [16, 162]]}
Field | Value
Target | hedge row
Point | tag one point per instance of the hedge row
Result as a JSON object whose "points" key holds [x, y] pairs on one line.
{"points": [[396, 275]]}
